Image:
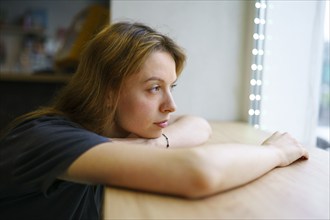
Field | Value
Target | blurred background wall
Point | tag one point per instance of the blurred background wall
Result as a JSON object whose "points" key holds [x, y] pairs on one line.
{"points": [[217, 38]]}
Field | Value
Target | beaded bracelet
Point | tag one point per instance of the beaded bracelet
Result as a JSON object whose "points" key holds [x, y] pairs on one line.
{"points": [[167, 142]]}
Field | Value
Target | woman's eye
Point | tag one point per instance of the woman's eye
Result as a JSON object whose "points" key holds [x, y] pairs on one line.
{"points": [[155, 89], [173, 86]]}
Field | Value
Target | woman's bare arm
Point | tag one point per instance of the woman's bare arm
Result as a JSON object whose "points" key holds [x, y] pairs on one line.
{"points": [[188, 172], [187, 130], [183, 131]]}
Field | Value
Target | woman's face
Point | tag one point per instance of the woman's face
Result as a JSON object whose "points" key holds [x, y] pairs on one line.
{"points": [[146, 100]]}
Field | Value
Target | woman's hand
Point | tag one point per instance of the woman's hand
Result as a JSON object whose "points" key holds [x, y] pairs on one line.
{"points": [[289, 148], [187, 131]]}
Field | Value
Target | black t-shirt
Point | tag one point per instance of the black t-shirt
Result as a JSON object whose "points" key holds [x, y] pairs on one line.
{"points": [[32, 156]]}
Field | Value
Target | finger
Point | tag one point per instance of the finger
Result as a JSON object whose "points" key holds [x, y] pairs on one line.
{"points": [[305, 155], [286, 134], [277, 134]]}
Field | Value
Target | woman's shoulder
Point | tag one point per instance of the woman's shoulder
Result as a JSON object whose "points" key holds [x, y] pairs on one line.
{"points": [[53, 128], [49, 120], [43, 124]]}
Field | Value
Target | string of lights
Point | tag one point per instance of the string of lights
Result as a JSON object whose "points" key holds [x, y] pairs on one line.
{"points": [[256, 82]]}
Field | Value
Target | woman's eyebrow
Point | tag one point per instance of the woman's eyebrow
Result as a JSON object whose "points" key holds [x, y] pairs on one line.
{"points": [[154, 78]]}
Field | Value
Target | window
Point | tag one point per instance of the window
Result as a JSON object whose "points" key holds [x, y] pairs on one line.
{"points": [[286, 68]]}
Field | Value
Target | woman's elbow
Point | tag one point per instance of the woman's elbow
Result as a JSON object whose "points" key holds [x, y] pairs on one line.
{"points": [[205, 129], [203, 181]]}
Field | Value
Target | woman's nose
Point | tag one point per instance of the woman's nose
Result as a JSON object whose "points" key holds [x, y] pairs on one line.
{"points": [[168, 105]]}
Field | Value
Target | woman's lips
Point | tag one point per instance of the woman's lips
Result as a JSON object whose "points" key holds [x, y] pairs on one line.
{"points": [[162, 124]]}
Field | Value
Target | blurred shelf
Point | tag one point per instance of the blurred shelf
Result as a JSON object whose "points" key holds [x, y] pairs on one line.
{"points": [[21, 77]]}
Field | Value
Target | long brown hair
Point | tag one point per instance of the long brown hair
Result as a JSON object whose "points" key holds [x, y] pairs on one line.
{"points": [[114, 54]]}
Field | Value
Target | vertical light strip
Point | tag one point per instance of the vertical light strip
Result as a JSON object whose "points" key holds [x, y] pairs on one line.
{"points": [[257, 63]]}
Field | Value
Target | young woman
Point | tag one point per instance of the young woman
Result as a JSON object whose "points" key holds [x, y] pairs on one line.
{"points": [[112, 125]]}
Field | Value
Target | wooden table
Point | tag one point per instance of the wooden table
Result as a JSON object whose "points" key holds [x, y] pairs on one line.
{"points": [[299, 191]]}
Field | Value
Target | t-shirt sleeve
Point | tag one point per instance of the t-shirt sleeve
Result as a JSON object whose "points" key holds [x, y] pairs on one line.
{"points": [[43, 149]]}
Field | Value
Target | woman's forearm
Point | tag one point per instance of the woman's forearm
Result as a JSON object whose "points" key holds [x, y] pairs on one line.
{"points": [[232, 165]]}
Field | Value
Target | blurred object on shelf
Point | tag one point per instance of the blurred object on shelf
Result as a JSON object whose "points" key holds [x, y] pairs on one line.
{"points": [[22, 42], [35, 19], [85, 24], [11, 39], [23, 51], [34, 57]]}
